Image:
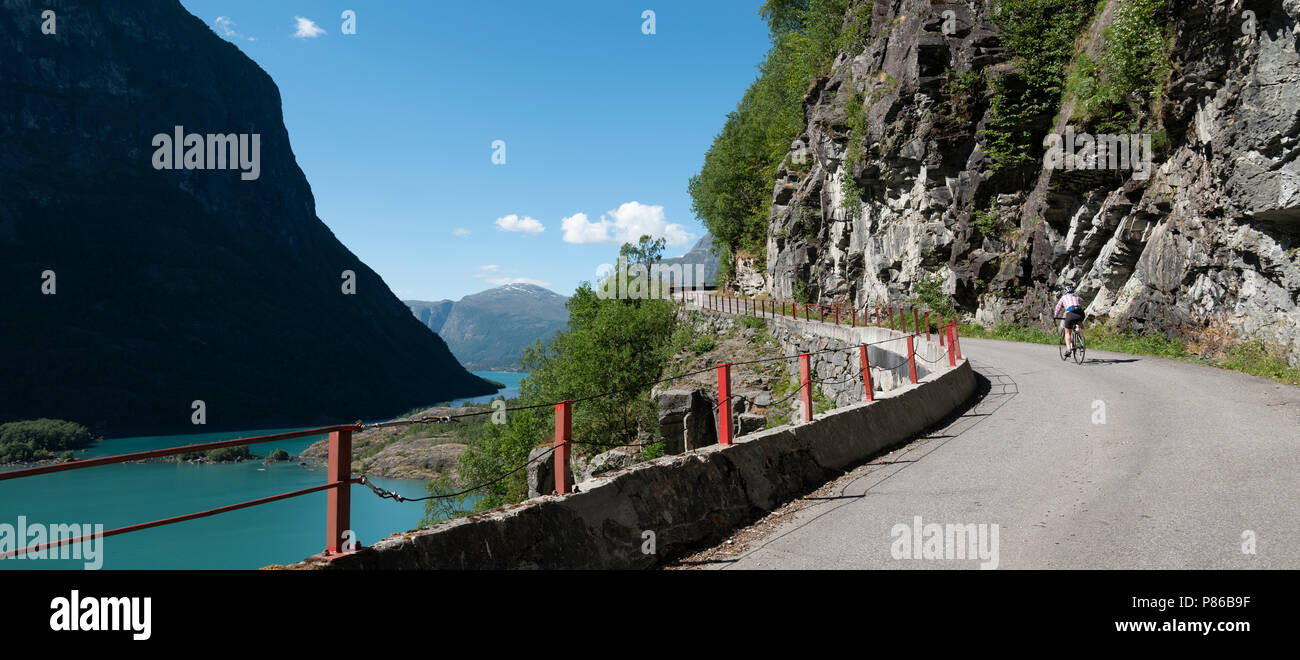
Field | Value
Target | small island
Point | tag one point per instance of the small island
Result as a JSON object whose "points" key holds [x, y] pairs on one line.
{"points": [[38, 440]]}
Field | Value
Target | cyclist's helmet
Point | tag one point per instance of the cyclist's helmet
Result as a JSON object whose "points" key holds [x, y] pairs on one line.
{"points": [[1069, 288]]}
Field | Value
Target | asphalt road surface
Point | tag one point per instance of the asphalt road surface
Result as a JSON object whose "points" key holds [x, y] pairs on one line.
{"points": [[1122, 462]]}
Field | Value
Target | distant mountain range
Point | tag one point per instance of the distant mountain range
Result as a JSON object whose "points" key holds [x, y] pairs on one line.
{"points": [[490, 330]]}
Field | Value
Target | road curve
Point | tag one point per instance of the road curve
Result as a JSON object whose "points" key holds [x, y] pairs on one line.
{"points": [[1187, 462]]}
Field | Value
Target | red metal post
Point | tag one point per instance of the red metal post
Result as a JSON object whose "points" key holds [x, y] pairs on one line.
{"points": [[866, 374], [724, 404], [853, 317], [952, 356], [942, 329], [805, 311], [927, 326], [794, 310], [911, 359], [805, 385], [563, 440], [956, 338], [916, 320], [891, 317], [338, 501]]}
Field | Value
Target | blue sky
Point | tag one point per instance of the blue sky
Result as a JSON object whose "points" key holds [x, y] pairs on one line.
{"points": [[394, 126]]}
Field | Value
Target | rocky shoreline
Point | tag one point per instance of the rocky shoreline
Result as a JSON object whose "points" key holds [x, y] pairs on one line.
{"points": [[420, 452]]}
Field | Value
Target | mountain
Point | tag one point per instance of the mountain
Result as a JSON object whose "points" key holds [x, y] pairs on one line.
{"points": [[171, 286], [938, 144], [432, 314], [490, 330], [701, 254]]}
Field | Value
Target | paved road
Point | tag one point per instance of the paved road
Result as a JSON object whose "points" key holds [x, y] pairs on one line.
{"points": [[1187, 460]]}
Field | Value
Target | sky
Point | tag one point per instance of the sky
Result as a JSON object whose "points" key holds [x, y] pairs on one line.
{"points": [[600, 126]]}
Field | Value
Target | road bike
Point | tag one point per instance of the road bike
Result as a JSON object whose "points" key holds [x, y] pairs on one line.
{"points": [[1077, 340]]}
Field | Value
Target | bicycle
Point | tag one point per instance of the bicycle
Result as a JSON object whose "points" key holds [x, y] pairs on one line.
{"points": [[1076, 339]]}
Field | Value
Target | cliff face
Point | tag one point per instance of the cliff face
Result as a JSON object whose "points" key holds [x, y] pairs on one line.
{"points": [[1208, 242], [177, 285]]}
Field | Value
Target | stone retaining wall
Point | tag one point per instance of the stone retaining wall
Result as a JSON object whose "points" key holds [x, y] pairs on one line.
{"points": [[682, 501]]}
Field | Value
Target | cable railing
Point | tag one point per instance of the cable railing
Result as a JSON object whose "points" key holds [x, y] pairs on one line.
{"points": [[339, 475]]}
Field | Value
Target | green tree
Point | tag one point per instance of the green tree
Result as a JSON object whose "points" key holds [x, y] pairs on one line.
{"points": [[39, 439], [614, 347], [732, 193]]}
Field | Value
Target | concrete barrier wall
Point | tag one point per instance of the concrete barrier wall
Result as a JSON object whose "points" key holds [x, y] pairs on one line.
{"points": [[686, 500]]}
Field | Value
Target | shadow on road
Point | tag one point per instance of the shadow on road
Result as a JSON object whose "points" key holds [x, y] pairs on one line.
{"points": [[993, 389], [1091, 361]]}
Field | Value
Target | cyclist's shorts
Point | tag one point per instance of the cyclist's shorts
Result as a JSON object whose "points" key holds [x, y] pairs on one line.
{"points": [[1073, 319]]}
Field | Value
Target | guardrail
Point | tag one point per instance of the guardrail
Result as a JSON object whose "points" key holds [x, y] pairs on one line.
{"points": [[339, 471], [338, 479]]}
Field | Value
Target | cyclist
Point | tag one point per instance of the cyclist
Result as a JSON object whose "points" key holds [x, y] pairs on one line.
{"points": [[1073, 315]]}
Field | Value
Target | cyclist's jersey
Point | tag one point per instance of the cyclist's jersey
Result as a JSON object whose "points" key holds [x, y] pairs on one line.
{"points": [[1070, 303]]}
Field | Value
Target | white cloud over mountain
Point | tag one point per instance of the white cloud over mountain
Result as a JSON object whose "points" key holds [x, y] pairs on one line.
{"points": [[625, 224]]}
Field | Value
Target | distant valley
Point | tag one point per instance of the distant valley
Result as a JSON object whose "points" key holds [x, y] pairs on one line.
{"points": [[488, 331]]}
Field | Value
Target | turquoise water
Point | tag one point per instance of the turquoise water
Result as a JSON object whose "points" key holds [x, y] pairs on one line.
{"points": [[277, 533], [508, 378]]}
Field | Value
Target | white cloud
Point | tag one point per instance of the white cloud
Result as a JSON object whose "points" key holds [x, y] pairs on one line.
{"points": [[461, 231], [526, 224], [226, 26], [306, 28], [578, 230], [491, 268], [625, 224]]}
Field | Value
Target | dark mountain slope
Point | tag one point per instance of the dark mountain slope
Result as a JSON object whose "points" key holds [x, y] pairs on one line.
{"points": [[177, 285]]}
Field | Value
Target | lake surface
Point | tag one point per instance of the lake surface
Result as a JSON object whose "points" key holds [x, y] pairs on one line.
{"points": [[277, 533]]}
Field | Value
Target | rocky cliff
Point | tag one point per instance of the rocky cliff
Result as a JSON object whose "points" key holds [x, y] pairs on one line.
{"points": [[898, 183], [131, 290]]}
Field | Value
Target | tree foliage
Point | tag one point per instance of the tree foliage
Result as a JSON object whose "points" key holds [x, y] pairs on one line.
{"points": [[612, 346], [39, 439], [732, 192]]}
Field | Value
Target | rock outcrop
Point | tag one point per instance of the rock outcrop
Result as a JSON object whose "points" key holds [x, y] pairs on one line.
{"points": [[686, 419], [131, 292], [1209, 241]]}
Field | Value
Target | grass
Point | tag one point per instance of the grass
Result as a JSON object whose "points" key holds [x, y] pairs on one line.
{"points": [[1252, 357]]}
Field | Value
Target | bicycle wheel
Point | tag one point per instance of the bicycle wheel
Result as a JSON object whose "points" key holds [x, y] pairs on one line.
{"points": [[1060, 344], [1079, 346]]}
